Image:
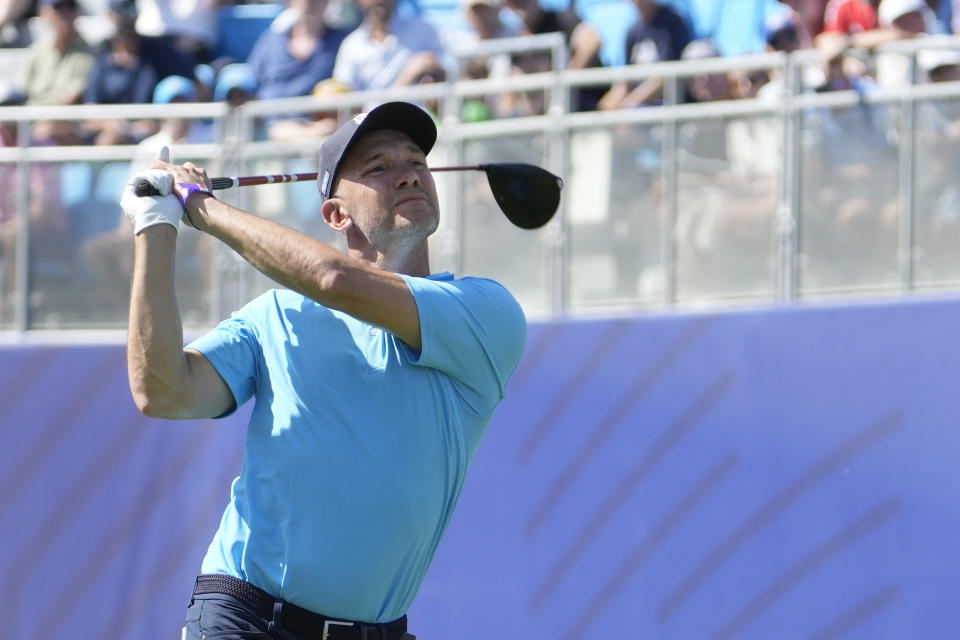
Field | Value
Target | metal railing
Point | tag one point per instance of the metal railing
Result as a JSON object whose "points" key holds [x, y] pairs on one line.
{"points": [[676, 204]]}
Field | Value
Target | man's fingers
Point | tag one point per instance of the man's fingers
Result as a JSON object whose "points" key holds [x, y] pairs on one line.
{"points": [[161, 180]]}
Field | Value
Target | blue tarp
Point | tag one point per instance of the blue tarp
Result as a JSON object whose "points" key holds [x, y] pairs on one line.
{"points": [[782, 473]]}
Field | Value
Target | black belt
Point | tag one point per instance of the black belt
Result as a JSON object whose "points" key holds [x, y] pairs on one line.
{"points": [[300, 621]]}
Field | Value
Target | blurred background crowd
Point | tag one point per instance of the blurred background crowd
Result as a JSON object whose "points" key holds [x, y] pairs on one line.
{"points": [[141, 51]]}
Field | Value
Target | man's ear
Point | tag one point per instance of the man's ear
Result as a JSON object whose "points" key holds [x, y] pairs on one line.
{"points": [[334, 215]]}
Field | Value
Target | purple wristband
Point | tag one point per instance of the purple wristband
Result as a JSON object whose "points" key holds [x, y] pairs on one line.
{"points": [[187, 188]]}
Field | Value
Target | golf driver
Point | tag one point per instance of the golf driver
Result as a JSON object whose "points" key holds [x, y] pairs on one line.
{"points": [[527, 194]]}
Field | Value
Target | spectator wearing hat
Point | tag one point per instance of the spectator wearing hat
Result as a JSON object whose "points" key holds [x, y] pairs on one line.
{"points": [[940, 65], [235, 84], [901, 20], [57, 70], [912, 17], [382, 51], [660, 33], [785, 31]]}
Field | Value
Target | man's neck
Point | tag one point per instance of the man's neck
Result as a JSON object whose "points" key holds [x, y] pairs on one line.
{"points": [[379, 27], [414, 263], [308, 25], [62, 41]]}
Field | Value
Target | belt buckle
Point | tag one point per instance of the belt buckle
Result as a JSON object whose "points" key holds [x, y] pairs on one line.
{"points": [[326, 627]]}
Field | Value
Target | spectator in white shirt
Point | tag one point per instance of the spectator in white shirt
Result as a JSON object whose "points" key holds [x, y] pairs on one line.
{"points": [[382, 51]]}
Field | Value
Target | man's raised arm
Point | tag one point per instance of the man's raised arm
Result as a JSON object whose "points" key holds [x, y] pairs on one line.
{"points": [[166, 381]]}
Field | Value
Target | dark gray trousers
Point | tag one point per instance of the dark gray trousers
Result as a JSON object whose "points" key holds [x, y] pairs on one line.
{"points": [[214, 616]]}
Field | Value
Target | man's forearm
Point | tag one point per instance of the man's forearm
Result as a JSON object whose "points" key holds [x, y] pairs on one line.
{"points": [[312, 268], [290, 258], [155, 359]]}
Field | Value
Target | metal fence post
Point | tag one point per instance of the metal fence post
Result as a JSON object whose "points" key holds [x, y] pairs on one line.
{"points": [[906, 171], [670, 168], [787, 221], [558, 230], [22, 262]]}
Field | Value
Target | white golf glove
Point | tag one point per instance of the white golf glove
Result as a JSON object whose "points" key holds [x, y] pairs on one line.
{"points": [[147, 211]]}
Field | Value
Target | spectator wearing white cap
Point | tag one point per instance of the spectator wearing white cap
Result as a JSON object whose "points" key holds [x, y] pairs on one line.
{"points": [[940, 65], [910, 16], [901, 19]]}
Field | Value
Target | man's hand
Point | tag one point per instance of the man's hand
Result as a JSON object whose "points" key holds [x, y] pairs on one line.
{"points": [[150, 210]]}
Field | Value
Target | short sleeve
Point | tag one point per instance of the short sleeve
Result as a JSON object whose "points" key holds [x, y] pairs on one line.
{"points": [[473, 330], [233, 348], [343, 65]]}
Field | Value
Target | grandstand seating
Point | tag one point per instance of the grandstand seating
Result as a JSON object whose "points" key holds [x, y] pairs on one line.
{"points": [[244, 23], [735, 25]]}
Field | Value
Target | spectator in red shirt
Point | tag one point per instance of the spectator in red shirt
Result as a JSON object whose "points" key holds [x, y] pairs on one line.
{"points": [[849, 16]]}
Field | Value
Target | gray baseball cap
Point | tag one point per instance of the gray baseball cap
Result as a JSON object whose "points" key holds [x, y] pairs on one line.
{"points": [[400, 116]]}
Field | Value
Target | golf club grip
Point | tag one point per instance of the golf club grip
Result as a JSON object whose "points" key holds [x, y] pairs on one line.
{"points": [[143, 187]]}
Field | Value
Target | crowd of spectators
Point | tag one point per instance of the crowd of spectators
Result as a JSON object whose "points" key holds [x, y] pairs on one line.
{"points": [[323, 47], [165, 51]]}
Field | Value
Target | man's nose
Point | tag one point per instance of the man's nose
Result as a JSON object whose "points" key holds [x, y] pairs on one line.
{"points": [[408, 177]]}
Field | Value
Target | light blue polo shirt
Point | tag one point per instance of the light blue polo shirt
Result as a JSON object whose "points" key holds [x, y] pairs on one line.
{"points": [[358, 446]]}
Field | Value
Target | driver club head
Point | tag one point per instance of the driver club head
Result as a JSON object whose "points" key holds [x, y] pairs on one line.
{"points": [[527, 194]]}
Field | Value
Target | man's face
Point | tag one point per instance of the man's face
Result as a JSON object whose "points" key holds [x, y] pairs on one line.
{"points": [[377, 9], [911, 21], [310, 7], [60, 16], [387, 190], [484, 19]]}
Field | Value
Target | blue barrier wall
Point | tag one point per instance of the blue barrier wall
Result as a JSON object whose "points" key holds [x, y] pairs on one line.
{"points": [[783, 473]]}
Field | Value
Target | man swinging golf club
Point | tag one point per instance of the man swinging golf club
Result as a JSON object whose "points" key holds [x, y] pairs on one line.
{"points": [[373, 382]]}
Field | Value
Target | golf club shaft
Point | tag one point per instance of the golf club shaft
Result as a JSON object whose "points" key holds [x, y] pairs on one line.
{"points": [[144, 188]]}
